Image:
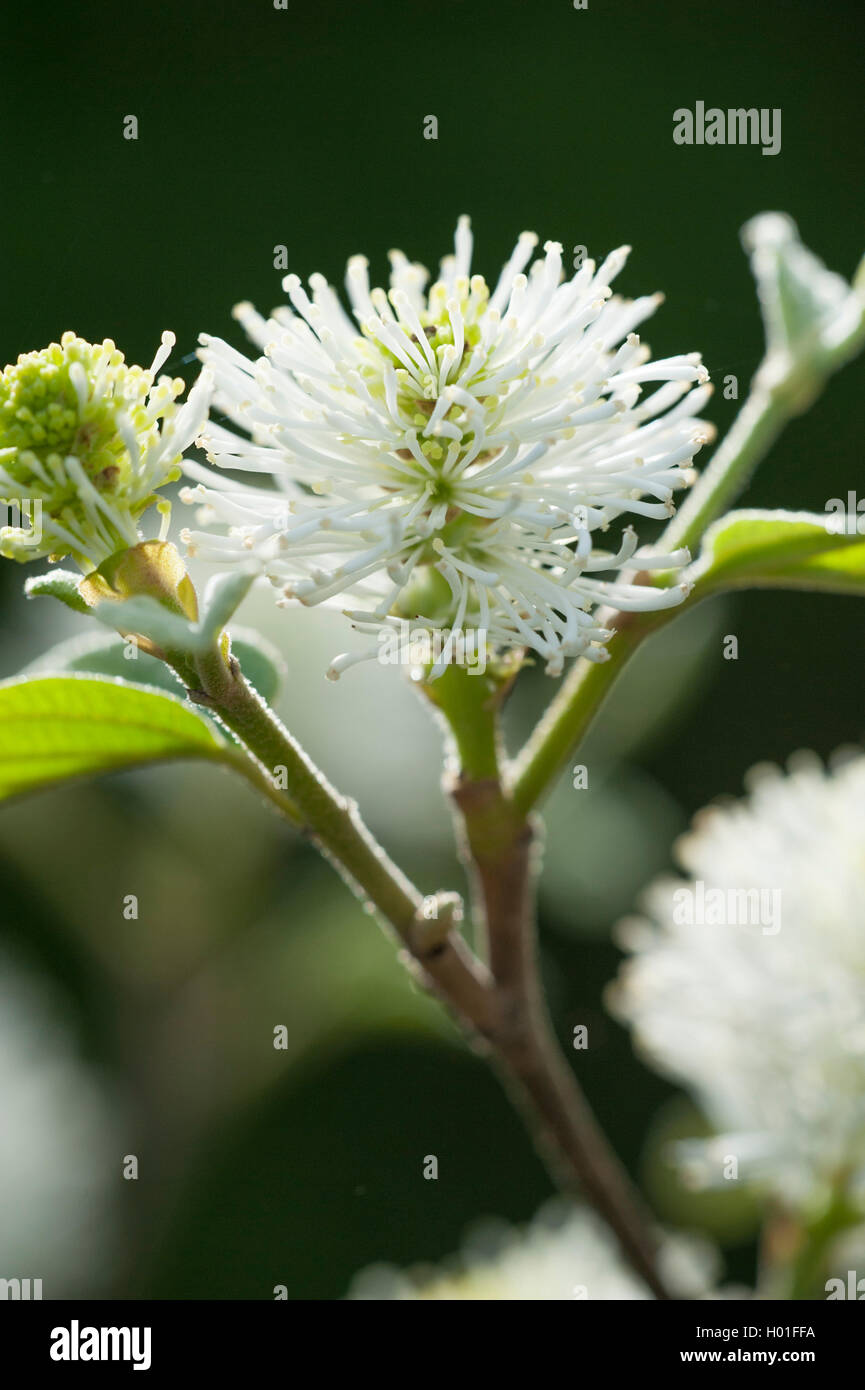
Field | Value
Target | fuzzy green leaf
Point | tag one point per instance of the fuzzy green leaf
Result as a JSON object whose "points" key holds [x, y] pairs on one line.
{"points": [[60, 727], [223, 595], [62, 584], [786, 550]]}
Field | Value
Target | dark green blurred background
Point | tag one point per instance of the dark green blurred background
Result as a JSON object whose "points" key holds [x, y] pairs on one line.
{"points": [[303, 127]]}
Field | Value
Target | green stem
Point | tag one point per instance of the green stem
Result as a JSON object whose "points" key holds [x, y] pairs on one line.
{"points": [[581, 694], [775, 399], [782, 389], [281, 767], [506, 1011], [505, 1014], [570, 713], [751, 436], [498, 845], [468, 702]]}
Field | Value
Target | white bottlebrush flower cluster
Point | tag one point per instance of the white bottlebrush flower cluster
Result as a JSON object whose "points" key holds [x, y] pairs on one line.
{"points": [[85, 442], [566, 1253], [767, 1027], [447, 455]]}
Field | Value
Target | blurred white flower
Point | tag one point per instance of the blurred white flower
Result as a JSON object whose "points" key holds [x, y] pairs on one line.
{"points": [[450, 456], [57, 1151], [764, 1023], [566, 1253]]}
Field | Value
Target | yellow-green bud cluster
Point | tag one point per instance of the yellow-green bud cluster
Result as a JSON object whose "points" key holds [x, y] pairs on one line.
{"points": [[85, 442]]}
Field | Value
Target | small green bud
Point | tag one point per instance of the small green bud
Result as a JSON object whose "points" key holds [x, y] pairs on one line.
{"points": [[151, 568], [808, 311]]}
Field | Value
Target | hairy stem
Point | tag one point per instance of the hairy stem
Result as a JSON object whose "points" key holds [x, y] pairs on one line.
{"points": [[750, 437], [567, 718], [281, 767], [501, 1008]]}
